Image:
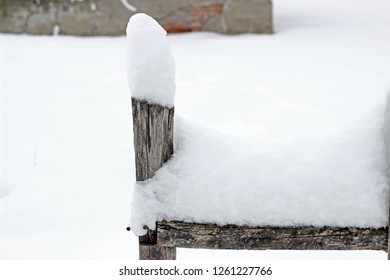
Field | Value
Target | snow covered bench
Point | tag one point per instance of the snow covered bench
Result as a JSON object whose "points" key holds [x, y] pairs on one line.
{"points": [[220, 199]]}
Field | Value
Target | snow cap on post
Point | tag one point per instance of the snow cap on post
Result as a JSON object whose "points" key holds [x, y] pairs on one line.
{"points": [[150, 64]]}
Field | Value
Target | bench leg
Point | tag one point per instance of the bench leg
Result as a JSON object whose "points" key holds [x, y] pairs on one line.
{"points": [[154, 252]]}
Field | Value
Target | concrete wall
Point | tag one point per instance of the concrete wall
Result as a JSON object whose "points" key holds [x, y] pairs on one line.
{"points": [[110, 17]]}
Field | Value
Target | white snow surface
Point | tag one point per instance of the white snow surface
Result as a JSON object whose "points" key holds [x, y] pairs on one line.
{"points": [[128, 6], [313, 94], [150, 65], [295, 137]]}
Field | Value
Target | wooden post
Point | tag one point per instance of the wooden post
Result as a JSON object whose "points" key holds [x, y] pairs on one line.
{"points": [[153, 145]]}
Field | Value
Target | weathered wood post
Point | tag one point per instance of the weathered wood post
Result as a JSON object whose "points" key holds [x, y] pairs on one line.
{"points": [[151, 77], [153, 145]]}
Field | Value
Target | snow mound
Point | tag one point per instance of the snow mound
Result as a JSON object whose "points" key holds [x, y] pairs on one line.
{"points": [[283, 130], [150, 65], [336, 179]]}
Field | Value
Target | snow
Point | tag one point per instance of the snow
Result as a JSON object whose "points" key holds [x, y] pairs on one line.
{"points": [[295, 139], [67, 163], [128, 6], [150, 65], [56, 30], [316, 89], [334, 179]]}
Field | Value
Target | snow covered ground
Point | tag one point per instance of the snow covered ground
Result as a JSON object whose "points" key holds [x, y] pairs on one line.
{"points": [[67, 158]]}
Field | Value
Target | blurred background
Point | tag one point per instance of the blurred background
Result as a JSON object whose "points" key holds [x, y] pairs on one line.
{"points": [[109, 17]]}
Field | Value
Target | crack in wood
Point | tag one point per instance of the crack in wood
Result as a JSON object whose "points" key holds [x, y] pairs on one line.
{"points": [[208, 236]]}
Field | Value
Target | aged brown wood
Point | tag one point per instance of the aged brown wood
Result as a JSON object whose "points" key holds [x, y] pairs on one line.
{"points": [[153, 146], [154, 252], [208, 236], [153, 137]]}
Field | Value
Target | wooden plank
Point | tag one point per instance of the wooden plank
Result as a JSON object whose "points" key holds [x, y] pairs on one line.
{"points": [[207, 236], [153, 137], [153, 146]]}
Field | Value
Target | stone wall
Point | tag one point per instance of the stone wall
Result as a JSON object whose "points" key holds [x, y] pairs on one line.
{"points": [[110, 17]]}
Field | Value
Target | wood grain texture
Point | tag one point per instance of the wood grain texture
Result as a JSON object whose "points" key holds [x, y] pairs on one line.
{"points": [[154, 252], [208, 236], [153, 137], [153, 146]]}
